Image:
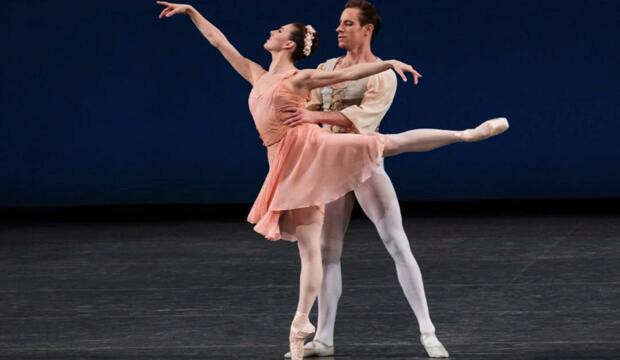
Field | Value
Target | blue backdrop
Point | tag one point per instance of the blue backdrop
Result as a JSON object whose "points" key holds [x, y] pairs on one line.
{"points": [[102, 103]]}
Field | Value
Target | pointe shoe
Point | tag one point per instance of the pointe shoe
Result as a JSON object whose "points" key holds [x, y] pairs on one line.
{"points": [[315, 348], [485, 130], [296, 340], [434, 348]]}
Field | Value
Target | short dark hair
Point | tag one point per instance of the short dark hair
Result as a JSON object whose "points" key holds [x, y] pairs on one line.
{"points": [[368, 14], [298, 36]]}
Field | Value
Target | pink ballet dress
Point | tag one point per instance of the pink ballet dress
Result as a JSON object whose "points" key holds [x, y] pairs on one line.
{"points": [[308, 165]]}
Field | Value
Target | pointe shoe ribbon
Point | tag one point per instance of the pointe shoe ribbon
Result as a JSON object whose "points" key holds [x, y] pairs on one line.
{"points": [[315, 348], [434, 348]]}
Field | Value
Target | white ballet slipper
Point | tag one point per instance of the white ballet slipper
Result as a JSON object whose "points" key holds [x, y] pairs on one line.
{"points": [[485, 130], [315, 349], [434, 348]]}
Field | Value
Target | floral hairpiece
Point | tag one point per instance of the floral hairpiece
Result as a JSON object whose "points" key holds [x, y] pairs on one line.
{"points": [[309, 36]]}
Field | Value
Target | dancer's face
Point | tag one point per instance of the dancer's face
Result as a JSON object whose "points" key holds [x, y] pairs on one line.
{"points": [[351, 33], [279, 39]]}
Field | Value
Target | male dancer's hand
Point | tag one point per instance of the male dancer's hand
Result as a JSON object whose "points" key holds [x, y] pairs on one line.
{"points": [[294, 116]]}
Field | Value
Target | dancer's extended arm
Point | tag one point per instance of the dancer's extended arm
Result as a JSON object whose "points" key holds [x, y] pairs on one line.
{"points": [[313, 113], [312, 79], [250, 70], [363, 118]]}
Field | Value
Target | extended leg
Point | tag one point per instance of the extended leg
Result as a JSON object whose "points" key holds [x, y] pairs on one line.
{"points": [[421, 140]]}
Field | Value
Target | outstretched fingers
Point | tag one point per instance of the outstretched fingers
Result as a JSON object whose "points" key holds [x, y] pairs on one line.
{"points": [[170, 9], [400, 72], [401, 69], [416, 75], [163, 12], [409, 69], [174, 11]]}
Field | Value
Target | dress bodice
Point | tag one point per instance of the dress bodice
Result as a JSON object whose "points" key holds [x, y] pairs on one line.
{"points": [[268, 105], [308, 166]]}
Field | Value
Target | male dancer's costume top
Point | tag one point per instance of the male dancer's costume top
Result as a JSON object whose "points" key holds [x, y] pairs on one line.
{"points": [[364, 102], [308, 165]]}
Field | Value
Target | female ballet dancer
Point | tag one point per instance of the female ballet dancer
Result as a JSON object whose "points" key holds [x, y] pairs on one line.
{"points": [[309, 166]]}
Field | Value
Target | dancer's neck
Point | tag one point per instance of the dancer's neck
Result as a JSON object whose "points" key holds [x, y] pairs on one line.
{"points": [[359, 55], [281, 62]]}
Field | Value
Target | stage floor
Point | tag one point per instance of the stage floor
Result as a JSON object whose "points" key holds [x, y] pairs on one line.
{"points": [[510, 287]]}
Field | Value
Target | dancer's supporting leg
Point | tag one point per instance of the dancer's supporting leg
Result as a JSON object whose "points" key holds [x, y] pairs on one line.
{"points": [[421, 140], [385, 214], [337, 218], [377, 198], [308, 232]]}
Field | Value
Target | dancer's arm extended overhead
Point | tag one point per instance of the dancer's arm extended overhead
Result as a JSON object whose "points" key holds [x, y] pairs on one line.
{"points": [[250, 70]]}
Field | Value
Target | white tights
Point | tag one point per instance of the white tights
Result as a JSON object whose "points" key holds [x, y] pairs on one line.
{"points": [[320, 248], [308, 233], [378, 199]]}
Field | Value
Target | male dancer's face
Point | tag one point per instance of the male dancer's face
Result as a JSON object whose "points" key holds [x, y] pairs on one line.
{"points": [[351, 34]]}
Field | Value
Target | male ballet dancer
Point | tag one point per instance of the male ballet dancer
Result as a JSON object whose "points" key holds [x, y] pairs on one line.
{"points": [[358, 107]]}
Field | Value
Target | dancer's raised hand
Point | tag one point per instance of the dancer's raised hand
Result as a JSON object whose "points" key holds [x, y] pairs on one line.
{"points": [[401, 68], [250, 70], [172, 9]]}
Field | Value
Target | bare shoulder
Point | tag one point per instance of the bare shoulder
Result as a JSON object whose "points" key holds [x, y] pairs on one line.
{"points": [[257, 73], [301, 77]]}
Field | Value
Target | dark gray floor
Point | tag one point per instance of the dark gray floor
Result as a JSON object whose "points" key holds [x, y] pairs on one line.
{"points": [[544, 287]]}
